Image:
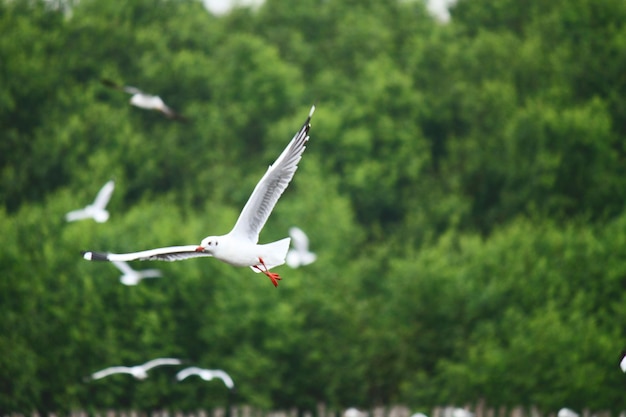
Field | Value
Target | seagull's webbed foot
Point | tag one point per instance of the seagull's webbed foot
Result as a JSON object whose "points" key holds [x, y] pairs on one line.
{"points": [[274, 277]]}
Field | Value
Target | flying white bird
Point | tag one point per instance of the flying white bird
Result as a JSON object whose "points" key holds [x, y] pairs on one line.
{"points": [[566, 412], [451, 411], [461, 412], [145, 101], [206, 374], [139, 371], [622, 363], [354, 412], [96, 210], [239, 247], [299, 255], [131, 276]]}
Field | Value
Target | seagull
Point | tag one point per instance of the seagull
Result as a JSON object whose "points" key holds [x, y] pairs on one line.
{"points": [[131, 276], [96, 210], [622, 363], [354, 412], [457, 412], [299, 255], [146, 101], [139, 371], [206, 374], [239, 247], [566, 412]]}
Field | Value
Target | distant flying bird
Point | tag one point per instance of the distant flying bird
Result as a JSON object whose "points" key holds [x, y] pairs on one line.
{"points": [[139, 371], [96, 210], [456, 412], [131, 276], [206, 374], [622, 362], [566, 412], [354, 412], [299, 255], [146, 101], [239, 247]]}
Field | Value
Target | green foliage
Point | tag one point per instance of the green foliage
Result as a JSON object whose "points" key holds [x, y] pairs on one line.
{"points": [[528, 307], [463, 189]]}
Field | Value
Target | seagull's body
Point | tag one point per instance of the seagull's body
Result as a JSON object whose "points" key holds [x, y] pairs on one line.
{"points": [[566, 412], [240, 246], [96, 210], [145, 101], [622, 362], [133, 277], [299, 255], [206, 374], [139, 371]]}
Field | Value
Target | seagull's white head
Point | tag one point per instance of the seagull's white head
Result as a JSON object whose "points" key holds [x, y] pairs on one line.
{"points": [[209, 245]]}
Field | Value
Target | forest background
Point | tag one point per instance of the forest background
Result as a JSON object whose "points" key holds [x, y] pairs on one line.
{"points": [[464, 189]]}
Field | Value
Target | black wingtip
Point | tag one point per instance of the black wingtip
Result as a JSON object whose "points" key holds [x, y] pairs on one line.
{"points": [[109, 83], [308, 119], [180, 118], [95, 256]]}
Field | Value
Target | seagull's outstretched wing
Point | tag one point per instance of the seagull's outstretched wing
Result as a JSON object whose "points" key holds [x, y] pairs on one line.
{"points": [[224, 377], [272, 184], [79, 214], [111, 84], [160, 361], [134, 90], [110, 371], [171, 114], [104, 195], [126, 88], [622, 362], [187, 372], [124, 267], [171, 253]]}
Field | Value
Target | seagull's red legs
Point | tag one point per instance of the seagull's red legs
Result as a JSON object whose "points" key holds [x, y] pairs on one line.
{"points": [[271, 275]]}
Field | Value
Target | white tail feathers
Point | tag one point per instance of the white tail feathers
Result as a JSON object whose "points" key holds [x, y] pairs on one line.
{"points": [[274, 254]]}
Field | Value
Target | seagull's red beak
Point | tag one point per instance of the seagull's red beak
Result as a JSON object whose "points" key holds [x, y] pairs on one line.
{"points": [[199, 249]]}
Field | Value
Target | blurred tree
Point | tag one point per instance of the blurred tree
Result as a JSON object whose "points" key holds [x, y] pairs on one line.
{"points": [[463, 189]]}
